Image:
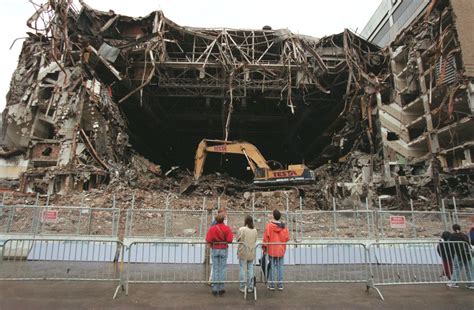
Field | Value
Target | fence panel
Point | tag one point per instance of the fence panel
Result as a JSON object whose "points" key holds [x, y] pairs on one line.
{"points": [[18, 219], [335, 224], [145, 222], [67, 260], [187, 223], [394, 263], [418, 224], [175, 262], [59, 220], [78, 221], [317, 224], [166, 223], [319, 263]]}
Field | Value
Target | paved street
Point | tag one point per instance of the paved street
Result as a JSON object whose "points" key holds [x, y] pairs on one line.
{"points": [[82, 295]]}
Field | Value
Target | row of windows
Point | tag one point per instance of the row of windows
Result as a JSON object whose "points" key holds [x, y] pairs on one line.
{"points": [[404, 12]]}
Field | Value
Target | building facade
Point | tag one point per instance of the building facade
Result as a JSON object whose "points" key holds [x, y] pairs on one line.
{"points": [[390, 18]]}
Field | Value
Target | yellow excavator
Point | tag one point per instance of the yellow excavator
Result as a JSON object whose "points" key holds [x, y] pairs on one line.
{"points": [[263, 174]]}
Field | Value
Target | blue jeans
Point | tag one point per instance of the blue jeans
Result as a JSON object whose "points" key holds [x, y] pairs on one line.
{"points": [[275, 272], [458, 265], [219, 262], [246, 274]]}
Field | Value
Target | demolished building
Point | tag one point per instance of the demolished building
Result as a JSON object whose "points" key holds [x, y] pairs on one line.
{"points": [[428, 121], [95, 93]]}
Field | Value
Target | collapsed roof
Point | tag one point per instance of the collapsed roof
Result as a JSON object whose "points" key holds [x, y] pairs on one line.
{"points": [[177, 85]]}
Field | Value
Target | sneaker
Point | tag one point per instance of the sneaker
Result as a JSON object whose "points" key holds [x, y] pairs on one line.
{"points": [[221, 292], [452, 285], [470, 287], [271, 287], [215, 293], [242, 290], [250, 290], [280, 287]]}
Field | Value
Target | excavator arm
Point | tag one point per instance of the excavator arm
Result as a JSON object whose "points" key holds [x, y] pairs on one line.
{"points": [[251, 153]]}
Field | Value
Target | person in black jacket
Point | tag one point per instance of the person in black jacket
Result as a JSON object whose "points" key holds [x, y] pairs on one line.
{"points": [[446, 252], [462, 257]]}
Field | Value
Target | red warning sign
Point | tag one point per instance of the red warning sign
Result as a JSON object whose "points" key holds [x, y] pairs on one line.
{"points": [[398, 221], [50, 216]]}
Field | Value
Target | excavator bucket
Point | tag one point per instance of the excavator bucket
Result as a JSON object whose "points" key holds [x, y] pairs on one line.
{"points": [[187, 185]]}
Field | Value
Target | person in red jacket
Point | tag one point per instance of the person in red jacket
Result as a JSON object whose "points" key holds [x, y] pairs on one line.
{"points": [[223, 211], [274, 239], [217, 237]]}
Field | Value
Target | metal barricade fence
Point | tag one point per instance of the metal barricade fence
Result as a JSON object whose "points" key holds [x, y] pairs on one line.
{"points": [[59, 220], [83, 220], [323, 224], [378, 264], [66, 260], [419, 262], [358, 222], [175, 262], [310, 262]]}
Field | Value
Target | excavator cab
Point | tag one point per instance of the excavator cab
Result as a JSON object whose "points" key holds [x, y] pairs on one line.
{"points": [[260, 173]]}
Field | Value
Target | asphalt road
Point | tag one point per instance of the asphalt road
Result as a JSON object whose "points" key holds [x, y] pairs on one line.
{"points": [[87, 295]]}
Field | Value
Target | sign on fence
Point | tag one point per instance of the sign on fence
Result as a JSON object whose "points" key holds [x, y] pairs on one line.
{"points": [[49, 216], [398, 221]]}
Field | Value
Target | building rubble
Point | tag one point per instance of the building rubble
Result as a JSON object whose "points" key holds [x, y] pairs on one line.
{"points": [[108, 103]]}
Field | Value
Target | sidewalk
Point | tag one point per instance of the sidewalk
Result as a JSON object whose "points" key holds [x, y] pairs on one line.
{"points": [[82, 295]]}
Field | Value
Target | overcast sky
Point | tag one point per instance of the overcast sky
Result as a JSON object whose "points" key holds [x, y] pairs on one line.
{"points": [[317, 18]]}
